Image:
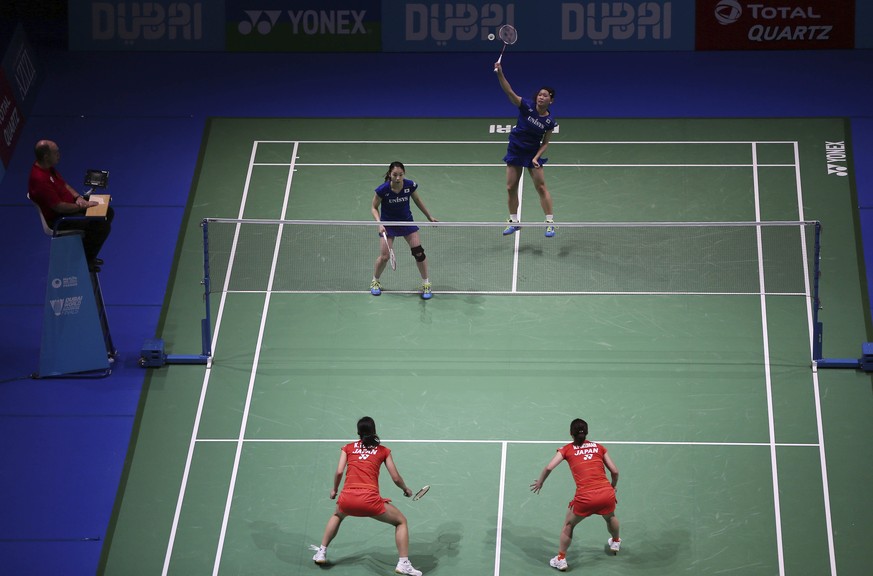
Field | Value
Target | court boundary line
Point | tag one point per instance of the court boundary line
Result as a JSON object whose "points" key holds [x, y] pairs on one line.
{"points": [[526, 293], [500, 506], [826, 494], [344, 441], [498, 165], [772, 444], [254, 372], [502, 142], [180, 500], [768, 376]]}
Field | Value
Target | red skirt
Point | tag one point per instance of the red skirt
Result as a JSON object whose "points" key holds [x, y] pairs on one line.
{"points": [[591, 502], [361, 502]]}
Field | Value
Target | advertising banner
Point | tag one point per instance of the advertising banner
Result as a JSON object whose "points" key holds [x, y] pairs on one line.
{"points": [[11, 120], [154, 25], [19, 77], [304, 26], [864, 24], [72, 337], [775, 25], [543, 26]]}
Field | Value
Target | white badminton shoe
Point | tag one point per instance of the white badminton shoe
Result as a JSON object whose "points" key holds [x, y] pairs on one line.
{"points": [[320, 554], [405, 567], [558, 563], [613, 546]]}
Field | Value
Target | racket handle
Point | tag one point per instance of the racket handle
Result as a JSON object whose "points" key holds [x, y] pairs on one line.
{"points": [[499, 58]]}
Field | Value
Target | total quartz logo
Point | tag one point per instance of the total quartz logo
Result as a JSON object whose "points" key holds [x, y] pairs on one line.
{"points": [[728, 11]]}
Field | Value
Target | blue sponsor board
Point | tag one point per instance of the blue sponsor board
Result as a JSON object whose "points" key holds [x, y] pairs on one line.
{"points": [[304, 26], [154, 25], [72, 337], [864, 24], [543, 26]]}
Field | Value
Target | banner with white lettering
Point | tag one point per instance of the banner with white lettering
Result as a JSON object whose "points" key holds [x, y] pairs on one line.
{"points": [[159, 25], [11, 120], [304, 26], [72, 337], [550, 26], [785, 25], [19, 78]]}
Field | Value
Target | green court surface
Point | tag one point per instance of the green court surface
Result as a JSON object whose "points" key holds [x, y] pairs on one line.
{"points": [[706, 400]]}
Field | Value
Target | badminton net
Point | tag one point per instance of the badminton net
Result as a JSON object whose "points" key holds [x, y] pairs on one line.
{"points": [[475, 258]]}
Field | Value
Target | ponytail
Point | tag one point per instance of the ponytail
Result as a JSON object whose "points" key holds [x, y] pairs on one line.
{"points": [[367, 433], [579, 431]]}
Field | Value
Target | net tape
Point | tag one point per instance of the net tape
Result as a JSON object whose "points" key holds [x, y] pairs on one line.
{"points": [[474, 257]]}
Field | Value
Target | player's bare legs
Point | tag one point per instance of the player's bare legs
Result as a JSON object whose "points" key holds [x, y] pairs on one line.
{"points": [[333, 525], [413, 240], [382, 259], [513, 177], [570, 522], [612, 526], [396, 518], [539, 181]]}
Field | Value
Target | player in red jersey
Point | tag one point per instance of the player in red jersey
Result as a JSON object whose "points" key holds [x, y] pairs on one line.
{"points": [[361, 462], [594, 493]]}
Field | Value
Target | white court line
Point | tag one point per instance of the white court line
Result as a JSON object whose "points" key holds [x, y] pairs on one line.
{"points": [[502, 489], [253, 375], [498, 165], [205, 385], [815, 383], [526, 293], [504, 443], [507, 442], [517, 238], [502, 142], [767, 372]]}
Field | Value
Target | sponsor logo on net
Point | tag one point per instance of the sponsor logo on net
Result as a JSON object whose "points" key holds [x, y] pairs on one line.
{"points": [[595, 21], [728, 12]]}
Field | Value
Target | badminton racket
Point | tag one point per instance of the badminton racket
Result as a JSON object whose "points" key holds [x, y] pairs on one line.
{"points": [[509, 36], [391, 258], [421, 493]]}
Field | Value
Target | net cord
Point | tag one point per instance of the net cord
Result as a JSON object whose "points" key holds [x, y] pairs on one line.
{"points": [[425, 224]]}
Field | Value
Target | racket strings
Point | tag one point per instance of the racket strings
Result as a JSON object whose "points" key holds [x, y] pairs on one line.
{"points": [[508, 34]]}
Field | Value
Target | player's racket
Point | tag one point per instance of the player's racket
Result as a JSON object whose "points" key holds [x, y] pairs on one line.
{"points": [[509, 36], [391, 258], [421, 493]]}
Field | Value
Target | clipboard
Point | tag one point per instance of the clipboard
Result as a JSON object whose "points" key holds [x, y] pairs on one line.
{"points": [[98, 211]]}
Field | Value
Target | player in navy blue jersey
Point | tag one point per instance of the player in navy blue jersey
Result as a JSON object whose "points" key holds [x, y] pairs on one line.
{"points": [[391, 204], [528, 141]]}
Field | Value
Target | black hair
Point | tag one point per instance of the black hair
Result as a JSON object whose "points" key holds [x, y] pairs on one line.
{"points": [[548, 89], [367, 432], [392, 166], [579, 431]]}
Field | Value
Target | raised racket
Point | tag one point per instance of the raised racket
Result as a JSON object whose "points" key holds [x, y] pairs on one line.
{"points": [[509, 36], [391, 258], [418, 495]]}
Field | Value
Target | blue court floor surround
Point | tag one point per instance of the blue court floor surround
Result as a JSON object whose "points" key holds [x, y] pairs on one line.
{"points": [[64, 442]]}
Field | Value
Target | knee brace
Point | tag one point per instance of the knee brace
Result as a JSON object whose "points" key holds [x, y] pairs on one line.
{"points": [[418, 253]]}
